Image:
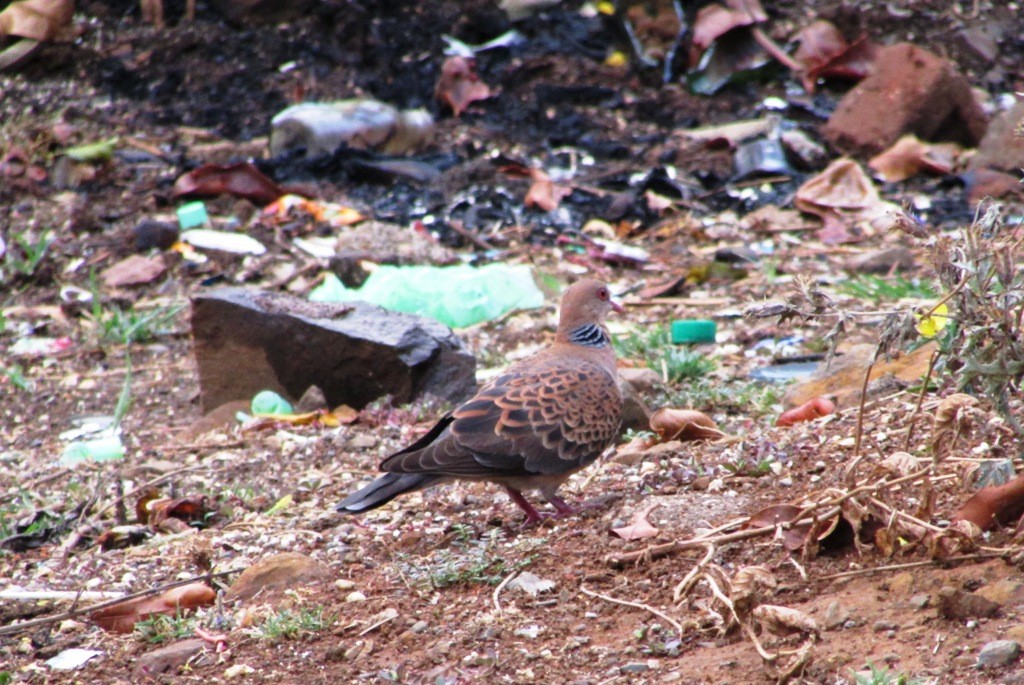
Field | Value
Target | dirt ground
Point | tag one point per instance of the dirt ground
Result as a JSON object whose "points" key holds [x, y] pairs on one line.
{"points": [[419, 590]]}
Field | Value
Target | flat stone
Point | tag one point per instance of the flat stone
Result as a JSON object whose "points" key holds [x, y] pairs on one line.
{"points": [[247, 341], [634, 668], [911, 90], [170, 658], [835, 616], [920, 602], [998, 653], [1015, 632], [273, 574]]}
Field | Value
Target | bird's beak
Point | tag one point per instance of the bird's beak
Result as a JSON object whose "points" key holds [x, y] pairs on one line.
{"points": [[616, 306]]}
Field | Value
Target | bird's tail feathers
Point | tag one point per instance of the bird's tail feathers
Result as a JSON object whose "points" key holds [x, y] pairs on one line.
{"points": [[385, 489]]}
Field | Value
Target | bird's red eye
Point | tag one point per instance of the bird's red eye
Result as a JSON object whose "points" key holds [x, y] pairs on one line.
{"points": [[602, 294]]}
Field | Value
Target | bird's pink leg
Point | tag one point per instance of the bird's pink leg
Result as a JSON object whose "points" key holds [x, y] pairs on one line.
{"points": [[532, 515], [563, 507]]}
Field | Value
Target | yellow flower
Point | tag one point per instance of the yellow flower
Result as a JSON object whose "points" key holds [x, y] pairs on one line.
{"points": [[931, 325]]}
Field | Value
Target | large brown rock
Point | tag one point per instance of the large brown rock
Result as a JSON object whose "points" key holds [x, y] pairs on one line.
{"points": [[911, 90], [248, 340]]}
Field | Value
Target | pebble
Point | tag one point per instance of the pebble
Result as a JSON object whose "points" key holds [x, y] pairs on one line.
{"points": [[920, 602], [835, 616], [883, 625], [356, 596], [419, 626], [998, 653], [634, 668]]}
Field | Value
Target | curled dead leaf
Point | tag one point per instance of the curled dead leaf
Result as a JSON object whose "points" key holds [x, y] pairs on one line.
{"points": [[784, 621], [910, 155], [684, 424], [844, 197], [639, 527], [122, 617], [241, 180], [749, 585], [899, 464], [961, 537], [825, 53], [798, 536], [808, 411], [953, 418]]}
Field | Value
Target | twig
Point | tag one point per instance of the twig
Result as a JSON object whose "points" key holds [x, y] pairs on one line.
{"points": [[64, 615], [501, 586], [912, 564], [851, 471], [773, 49], [57, 595], [920, 400], [636, 605], [685, 583]]}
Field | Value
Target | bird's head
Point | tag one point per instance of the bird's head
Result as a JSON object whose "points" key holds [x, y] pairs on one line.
{"points": [[586, 302]]}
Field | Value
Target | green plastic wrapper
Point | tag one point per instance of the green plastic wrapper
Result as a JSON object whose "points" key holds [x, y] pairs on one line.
{"points": [[457, 296]]}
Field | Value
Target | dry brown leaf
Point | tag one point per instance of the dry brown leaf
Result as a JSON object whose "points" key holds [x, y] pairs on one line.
{"points": [[953, 418], [684, 424], [961, 537], [715, 20], [844, 197], [544, 193], [241, 180], [909, 155], [121, 618], [45, 20], [824, 52], [899, 464], [639, 528], [459, 85], [795, 537], [749, 585], [784, 621]]}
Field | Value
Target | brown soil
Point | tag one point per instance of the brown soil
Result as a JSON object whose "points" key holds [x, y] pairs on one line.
{"points": [[202, 92]]}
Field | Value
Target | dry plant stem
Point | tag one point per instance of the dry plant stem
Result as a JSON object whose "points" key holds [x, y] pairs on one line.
{"points": [[851, 471], [920, 399], [717, 592], [685, 583], [619, 560], [501, 586], [64, 615], [636, 605], [912, 564], [903, 515]]}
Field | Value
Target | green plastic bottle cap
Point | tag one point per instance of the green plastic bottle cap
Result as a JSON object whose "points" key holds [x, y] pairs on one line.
{"points": [[268, 402], [191, 215], [693, 331]]}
